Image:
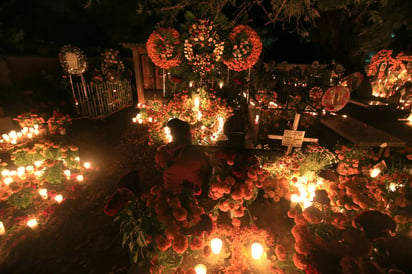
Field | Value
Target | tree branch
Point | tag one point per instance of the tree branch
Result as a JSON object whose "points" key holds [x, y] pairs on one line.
{"points": [[180, 5]]}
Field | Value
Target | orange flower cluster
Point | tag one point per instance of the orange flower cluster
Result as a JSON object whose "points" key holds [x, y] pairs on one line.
{"points": [[162, 48], [204, 131], [236, 182], [352, 159], [180, 216], [29, 120], [246, 53], [315, 95], [58, 122]]}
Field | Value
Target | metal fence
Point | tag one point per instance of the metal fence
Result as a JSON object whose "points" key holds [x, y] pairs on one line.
{"points": [[102, 99]]}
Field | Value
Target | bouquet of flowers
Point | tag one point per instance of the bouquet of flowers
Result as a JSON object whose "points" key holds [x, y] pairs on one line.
{"points": [[58, 123], [29, 120]]}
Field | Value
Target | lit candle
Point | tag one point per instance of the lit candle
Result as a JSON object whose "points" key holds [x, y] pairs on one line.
{"points": [[196, 103], [29, 169], [87, 165], [7, 181], [80, 178], [216, 245], [2, 229], [43, 193], [32, 223], [38, 163], [257, 251], [5, 172], [20, 171], [190, 84], [150, 119], [67, 173], [374, 172], [59, 198], [220, 84], [257, 119], [168, 136], [200, 269], [134, 119], [140, 121]]}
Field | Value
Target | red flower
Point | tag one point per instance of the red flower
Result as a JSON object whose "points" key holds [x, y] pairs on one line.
{"points": [[180, 214], [180, 244], [196, 243], [163, 243], [280, 252]]}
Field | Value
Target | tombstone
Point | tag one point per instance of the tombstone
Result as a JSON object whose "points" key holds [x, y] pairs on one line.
{"points": [[6, 123]]}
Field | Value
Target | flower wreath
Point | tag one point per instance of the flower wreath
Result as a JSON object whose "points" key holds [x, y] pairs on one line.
{"points": [[247, 47], [112, 66], [203, 48], [162, 48], [72, 59]]}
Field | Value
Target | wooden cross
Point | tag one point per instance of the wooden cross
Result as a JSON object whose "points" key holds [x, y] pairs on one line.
{"points": [[293, 138]]}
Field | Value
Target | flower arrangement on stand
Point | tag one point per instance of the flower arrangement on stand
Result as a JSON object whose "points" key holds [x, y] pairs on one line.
{"points": [[58, 123], [163, 48], [73, 60], [315, 96], [112, 66], [204, 48], [245, 49]]}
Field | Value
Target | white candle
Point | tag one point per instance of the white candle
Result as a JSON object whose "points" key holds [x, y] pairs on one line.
{"points": [[2, 229], [32, 223]]}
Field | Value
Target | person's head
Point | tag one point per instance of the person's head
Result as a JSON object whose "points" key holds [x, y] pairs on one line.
{"points": [[180, 131]]}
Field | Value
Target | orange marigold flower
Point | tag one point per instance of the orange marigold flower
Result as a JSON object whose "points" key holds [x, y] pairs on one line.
{"points": [[180, 244], [196, 243], [163, 243], [236, 222], [280, 252]]}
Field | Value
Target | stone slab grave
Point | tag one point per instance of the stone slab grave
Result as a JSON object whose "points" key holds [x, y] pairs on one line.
{"points": [[6, 123], [360, 133], [293, 138]]}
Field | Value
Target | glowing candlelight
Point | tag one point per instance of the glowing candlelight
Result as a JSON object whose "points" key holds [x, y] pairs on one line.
{"points": [[32, 223], [168, 136], [257, 119], [20, 171], [29, 169], [7, 181], [140, 121], [38, 173], [67, 173], [59, 198], [150, 119], [190, 84], [374, 172], [30, 135], [257, 251], [134, 120], [220, 84], [5, 172], [392, 187], [80, 178], [36, 126], [200, 269], [196, 103], [6, 137], [2, 229], [216, 245], [77, 158], [87, 165], [199, 115], [43, 193], [38, 163]]}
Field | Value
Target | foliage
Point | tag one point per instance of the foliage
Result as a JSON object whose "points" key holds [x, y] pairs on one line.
{"points": [[21, 199]]}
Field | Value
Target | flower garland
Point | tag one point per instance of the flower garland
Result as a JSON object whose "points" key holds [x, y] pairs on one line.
{"points": [[203, 48], [162, 48], [112, 66], [73, 60], [247, 47]]}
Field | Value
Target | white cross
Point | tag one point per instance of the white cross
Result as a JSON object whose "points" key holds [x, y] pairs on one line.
{"points": [[293, 138]]}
